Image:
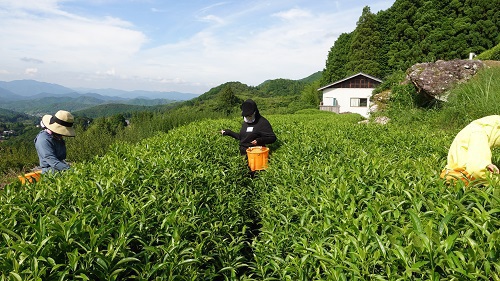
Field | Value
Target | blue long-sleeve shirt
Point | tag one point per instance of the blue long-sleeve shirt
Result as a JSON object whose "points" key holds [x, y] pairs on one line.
{"points": [[51, 152]]}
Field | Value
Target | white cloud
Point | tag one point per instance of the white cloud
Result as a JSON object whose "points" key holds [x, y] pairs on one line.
{"points": [[31, 60], [66, 41], [155, 10], [293, 14], [110, 72], [113, 21], [212, 18], [207, 8], [290, 49], [31, 71], [232, 41], [38, 5]]}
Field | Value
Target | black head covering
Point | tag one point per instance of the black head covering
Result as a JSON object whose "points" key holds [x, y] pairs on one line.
{"points": [[248, 107]]}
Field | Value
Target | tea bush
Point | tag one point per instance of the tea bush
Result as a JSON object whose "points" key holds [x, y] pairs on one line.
{"points": [[339, 201], [364, 202], [168, 208]]}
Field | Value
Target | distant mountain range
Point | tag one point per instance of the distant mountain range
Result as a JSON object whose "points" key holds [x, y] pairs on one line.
{"points": [[23, 89], [177, 96], [38, 98]]}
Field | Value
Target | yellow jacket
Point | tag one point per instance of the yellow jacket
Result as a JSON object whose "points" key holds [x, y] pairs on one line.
{"points": [[471, 148]]}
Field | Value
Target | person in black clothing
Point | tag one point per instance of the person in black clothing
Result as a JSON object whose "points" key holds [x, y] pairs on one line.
{"points": [[255, 130]]}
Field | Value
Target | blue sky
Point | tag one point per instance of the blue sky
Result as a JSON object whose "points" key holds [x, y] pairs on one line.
{"points": [[162, 45]]}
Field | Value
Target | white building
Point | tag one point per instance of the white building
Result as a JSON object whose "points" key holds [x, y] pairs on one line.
{"points": [[351, 94]]}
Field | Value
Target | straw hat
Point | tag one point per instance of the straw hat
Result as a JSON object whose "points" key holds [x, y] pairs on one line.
{"points": [[61, 123]]}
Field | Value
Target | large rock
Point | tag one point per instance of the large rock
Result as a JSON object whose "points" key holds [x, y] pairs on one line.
{"points": [[378, 102], [434, 79]]}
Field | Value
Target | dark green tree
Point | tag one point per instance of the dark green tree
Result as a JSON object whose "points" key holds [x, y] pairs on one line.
{"points": [[310, 95], [364, 45], [227, 101], [414, 31], [280, 87], [338, 56], [117, 122], [82, 122]]}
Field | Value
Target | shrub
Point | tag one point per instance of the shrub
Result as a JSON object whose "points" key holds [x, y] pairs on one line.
{"points": [[491, 54]]}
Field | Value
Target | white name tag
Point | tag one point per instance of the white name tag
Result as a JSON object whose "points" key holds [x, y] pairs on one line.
{"points": [[249, 129]]}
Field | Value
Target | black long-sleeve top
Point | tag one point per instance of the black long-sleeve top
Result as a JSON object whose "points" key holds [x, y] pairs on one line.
{"points": [[259, 130]]}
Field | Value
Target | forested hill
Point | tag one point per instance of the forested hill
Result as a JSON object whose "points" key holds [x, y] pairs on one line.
{"points": [[413, 31], [7, 115], [275, 96]]}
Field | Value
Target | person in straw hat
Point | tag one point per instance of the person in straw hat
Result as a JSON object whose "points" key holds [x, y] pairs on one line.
{"points": [[49, 143]]}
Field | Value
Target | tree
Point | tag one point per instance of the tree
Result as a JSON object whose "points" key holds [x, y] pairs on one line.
{"points": [[310, 95], [338, 56], [116, 123], [227, 100], [413, 31], [82, 122], [364, 46]]}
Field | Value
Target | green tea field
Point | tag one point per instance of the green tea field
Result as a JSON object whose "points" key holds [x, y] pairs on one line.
{"points": [[339, 201]]}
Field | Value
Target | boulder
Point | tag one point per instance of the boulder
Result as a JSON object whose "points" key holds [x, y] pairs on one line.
{"points": [[378, 102], [435, 79]]}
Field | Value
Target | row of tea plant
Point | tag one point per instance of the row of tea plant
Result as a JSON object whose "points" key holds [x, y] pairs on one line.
{"points": [[339, 201]]}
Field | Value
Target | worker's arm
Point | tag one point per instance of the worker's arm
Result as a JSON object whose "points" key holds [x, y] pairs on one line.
{"points": [[230, 133]]}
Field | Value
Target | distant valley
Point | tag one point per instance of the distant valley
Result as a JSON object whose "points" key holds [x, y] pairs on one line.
{"points": [[38, 98]]}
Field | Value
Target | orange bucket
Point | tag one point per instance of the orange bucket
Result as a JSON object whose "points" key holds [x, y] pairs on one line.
{"points": [[31, 177], [257, 157], [456, 174]]}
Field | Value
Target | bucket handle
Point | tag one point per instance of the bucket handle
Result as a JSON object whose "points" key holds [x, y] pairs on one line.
{"points": [[255, 147]]}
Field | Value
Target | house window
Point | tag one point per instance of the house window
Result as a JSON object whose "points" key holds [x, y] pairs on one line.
{"points": [[359, 102]]}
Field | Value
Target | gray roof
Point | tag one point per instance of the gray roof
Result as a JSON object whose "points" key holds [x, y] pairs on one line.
{"points": [[350, 77]]}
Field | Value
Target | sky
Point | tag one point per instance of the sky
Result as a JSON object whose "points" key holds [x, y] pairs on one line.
{"points": [[186, 46]]}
